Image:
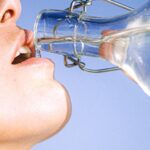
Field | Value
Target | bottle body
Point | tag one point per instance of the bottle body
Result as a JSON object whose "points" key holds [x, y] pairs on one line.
{"points": [[63, 32], [131, 53], [123, 40]]}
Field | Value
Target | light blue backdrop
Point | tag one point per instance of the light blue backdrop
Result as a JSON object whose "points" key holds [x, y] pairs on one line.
{"points": [[110, 112]]}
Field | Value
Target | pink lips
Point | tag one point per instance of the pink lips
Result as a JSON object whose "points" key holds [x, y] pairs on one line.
{"points": [[26, 39]]}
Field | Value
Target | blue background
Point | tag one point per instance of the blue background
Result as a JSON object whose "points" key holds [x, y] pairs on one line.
{"points": [[109, 112]]}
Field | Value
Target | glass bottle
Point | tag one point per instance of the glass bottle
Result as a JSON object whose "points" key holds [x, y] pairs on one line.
{"points": [[122, 40]]}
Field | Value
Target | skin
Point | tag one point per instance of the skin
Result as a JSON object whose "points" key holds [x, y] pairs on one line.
{"points": [[33, 105], [106, 50]]}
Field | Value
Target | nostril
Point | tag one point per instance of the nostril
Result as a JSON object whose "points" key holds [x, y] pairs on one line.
{"points": [[7, 15]]}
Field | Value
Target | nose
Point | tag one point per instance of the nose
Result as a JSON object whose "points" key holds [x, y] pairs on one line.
{"points": [[9, 10]]}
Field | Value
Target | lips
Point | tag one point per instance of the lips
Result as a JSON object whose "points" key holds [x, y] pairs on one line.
{"points": [[16, 41], [25, 49]]}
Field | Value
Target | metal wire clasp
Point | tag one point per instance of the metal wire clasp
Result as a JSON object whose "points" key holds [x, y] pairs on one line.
{"points": [[76, 61], [80, 3]]}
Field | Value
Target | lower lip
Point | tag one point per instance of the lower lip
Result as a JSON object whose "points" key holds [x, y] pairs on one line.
{"points": [[37, 62], [39, 69]]}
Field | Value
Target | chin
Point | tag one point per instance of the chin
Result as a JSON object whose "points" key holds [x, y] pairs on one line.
{"points": [[37, 114], [53, 113]]}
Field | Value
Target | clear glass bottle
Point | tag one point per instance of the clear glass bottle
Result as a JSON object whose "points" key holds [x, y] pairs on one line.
{"points": [[122, 40]]}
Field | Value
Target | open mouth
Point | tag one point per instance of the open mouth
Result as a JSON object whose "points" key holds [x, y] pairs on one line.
{"points": [[22, 54], [24, 49]]}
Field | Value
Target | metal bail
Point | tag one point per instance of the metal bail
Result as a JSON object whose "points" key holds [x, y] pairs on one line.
{"points": [[75, 4]]}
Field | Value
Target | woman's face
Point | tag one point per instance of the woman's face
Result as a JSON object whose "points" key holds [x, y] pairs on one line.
{"points": [[33, 106]]}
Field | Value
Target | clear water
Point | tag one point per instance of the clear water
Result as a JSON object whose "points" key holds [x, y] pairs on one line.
{"points": [[69, 45], [130, 51]]}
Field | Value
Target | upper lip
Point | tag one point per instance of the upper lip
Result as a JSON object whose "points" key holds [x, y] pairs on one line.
{"points": [[25, 39], [29, 41]]}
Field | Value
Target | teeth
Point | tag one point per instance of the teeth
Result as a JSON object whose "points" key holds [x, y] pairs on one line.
{"points": [[18, 53], [23, 50]]}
